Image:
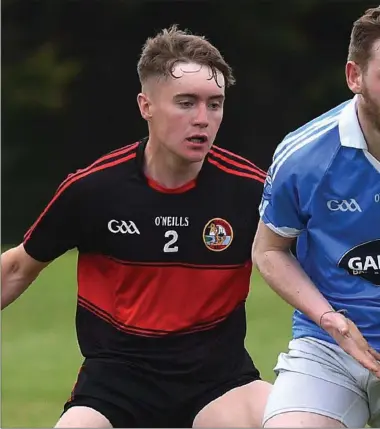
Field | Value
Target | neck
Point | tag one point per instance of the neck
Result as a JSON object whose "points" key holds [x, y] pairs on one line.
{"points": [[166, 168], [370, 132]]}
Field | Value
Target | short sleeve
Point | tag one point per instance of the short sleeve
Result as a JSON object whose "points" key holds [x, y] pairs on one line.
{"points": [[281, 209], [57, 228]]}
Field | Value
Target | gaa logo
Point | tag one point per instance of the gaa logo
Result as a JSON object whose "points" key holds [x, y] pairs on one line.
{"points": [[344, 205], [122, 227], [217, 234]]}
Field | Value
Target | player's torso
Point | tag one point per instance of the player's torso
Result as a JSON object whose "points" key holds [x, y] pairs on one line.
{"points": [[343, 238], [161, 262], [205, 225], [345, 224]]}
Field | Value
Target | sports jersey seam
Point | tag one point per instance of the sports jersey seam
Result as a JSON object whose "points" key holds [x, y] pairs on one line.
{"points": [[325, 172], [312, 198], [68, 183], [316, 189]]}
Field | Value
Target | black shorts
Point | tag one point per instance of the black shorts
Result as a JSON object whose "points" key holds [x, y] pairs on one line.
{"points": [[129, 396]]}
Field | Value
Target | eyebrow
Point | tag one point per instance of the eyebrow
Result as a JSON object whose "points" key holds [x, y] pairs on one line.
{"points": [[195, 96]]}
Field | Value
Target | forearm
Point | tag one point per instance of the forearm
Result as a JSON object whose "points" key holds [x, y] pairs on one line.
{"points": [[11, 289], [285, 276], [14, 280]]}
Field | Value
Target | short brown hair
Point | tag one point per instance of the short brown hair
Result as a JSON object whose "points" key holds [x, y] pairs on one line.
{"points": [[365, 31], [160, 54]]}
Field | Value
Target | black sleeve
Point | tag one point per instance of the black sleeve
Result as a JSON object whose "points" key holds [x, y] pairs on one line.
{"points": [[57, 228]]}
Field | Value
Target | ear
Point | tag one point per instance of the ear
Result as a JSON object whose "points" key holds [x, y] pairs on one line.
{"points": [[144, 105], [354, 77]]}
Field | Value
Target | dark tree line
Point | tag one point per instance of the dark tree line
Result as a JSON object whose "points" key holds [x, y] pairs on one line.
{"points": [[69, 80]]}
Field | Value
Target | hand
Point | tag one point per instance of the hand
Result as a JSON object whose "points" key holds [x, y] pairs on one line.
{"points": [[350, 339]]}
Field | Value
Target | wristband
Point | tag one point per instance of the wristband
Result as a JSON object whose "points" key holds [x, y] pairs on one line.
{"points": [[331, 311]]}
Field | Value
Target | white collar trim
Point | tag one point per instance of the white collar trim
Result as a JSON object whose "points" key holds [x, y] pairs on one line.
{"points": [[350, 132]]}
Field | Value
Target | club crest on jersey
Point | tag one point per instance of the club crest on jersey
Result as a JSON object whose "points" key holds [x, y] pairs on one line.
{"points": [[217, 234]]}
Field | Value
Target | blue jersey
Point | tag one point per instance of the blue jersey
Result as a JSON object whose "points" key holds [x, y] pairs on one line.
{"points": [[323, 187]]}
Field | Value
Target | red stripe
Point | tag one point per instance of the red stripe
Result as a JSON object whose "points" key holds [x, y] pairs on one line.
{"points": [[112, 154], [254, 166], [69, 182], [119, 326], [75, 385], [163, 299], [140, 331], [181, 189], [235, 172], [110, 319], [179, 264], [237, 164]]}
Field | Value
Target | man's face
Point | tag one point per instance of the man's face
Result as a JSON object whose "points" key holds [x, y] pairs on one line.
{"points": [[185, 111], [371, 87], [366, 82]]}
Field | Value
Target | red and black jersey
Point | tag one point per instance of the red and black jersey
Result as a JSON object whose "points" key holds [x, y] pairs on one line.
{"points": [[159, 271]]}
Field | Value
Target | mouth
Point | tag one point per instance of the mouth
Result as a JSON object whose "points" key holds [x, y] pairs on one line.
{"points": [[197, 139]]}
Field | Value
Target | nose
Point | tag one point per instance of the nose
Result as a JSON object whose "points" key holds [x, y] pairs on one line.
{"points": [[201, 117]]}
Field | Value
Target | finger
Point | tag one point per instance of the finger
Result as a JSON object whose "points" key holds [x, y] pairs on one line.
{"points": [[372, 364], [374, 353], [343, 328], [367, 360], [377, 373], [342, 325]]}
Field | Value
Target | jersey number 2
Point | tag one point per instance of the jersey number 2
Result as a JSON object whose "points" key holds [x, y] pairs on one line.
{"points": [[169, 248]]}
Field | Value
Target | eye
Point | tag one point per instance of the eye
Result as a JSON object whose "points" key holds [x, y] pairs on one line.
{"points": [[186, 104], [215, 106]]}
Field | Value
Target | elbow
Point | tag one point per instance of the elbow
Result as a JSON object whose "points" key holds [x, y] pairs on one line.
{"points": [[258, 255], [254, 258], [263, 258], [16, 269]]}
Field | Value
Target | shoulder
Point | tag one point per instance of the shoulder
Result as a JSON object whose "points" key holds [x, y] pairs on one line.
{"points": [[236, 167], [309, 150], [102, 170]]}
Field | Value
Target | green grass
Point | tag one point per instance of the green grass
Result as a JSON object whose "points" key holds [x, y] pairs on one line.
{"points": [[40, 356]]}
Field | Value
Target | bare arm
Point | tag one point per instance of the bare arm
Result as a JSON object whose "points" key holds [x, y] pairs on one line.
{"points": [[272, 256], [18, 271]]}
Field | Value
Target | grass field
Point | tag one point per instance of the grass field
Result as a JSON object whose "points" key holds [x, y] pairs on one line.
{"points": [[40, 357]]}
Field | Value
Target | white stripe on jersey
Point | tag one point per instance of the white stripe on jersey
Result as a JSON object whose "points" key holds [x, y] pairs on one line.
{"points": [[284, 231], [298, 144], [306, 135], [263, 205], [315, 126]]}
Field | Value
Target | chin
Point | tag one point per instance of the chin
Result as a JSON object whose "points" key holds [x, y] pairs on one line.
{"points": [[192, 155]]}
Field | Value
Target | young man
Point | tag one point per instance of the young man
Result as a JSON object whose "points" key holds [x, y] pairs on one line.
{"points": [[324, 188], [164, 238]]}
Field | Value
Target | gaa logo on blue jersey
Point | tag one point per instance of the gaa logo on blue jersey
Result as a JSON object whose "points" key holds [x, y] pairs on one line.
{"points": [[363, 261]]}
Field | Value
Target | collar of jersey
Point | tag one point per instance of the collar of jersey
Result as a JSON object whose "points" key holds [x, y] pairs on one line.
{"points": [[350, 132], [155, 185]]}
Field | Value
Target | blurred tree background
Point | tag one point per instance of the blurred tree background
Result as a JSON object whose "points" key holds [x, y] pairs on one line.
{"points": [[69, 80]]}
